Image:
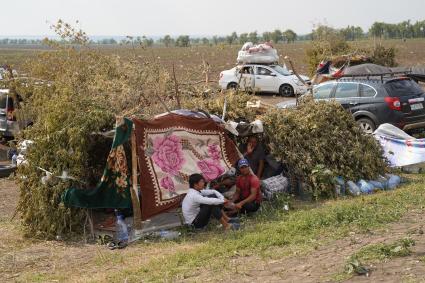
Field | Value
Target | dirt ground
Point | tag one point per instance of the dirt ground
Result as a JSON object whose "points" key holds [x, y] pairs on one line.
{"points": [[23, 260], [323, 264]]}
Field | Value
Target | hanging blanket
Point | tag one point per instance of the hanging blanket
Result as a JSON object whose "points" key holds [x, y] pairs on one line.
{"points": [[173, 147], [113, 190]]}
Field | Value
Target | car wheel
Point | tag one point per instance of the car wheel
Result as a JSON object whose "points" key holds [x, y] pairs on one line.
{"points": [[366, 125], [286, 90], [232, 85]]}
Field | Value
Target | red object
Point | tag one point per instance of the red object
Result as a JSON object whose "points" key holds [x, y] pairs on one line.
{"points": [[245, 183], [393, 103], [9, 113]]}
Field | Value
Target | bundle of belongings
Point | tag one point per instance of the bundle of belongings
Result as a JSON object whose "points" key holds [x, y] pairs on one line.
{"points": [[263, 53], [328, 70], [416, 73], [274, 185]]}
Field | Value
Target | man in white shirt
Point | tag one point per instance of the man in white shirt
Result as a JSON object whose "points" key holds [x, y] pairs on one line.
{"points": [[199, 204]]}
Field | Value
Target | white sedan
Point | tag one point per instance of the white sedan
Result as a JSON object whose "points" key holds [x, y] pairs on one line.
{"points": [[263, 78]]}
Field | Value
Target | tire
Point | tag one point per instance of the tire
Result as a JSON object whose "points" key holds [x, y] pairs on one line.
{"points": [[286, 90], [232, 85], [366, 125]]}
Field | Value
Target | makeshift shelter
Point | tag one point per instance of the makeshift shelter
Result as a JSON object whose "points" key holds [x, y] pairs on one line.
{"points": [[165, 151]]}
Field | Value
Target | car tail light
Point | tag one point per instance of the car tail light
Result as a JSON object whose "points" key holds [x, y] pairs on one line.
{"points": [[393, 103], [10, 114], [221, 75]]}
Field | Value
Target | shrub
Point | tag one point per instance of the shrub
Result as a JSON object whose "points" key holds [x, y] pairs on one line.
{"points": [[319, 141], [383, 56]]}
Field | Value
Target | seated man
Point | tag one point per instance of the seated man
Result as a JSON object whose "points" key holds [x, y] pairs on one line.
{"points": [[248, 197], [253, 151], [199, 204]]}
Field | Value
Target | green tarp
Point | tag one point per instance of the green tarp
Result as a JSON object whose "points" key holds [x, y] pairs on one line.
{"points": [[113, 191]]}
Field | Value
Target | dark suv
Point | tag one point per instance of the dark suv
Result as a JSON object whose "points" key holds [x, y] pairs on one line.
{"points": [[398, 101]]}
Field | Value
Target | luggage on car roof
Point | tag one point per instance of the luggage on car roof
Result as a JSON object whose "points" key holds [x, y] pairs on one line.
{"points": [[263, 53]]}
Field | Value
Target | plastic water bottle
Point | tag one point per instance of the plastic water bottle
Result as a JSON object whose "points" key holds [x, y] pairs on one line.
{"points": [[365, 187], [14, 159], [377, 185], [353, 188], [393, 181], [339, 186], [168, 235], [121, 228]]}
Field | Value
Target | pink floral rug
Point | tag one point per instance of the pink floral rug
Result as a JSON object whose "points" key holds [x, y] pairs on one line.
{"points": [[173, 147]]}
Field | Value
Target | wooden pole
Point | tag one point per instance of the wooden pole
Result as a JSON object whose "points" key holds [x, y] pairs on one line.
{"points": [[137, 213], [298, 76]]}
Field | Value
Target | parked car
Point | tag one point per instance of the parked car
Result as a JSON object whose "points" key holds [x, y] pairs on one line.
{"points": [[398, 101], [263, 78], [9, 125]]}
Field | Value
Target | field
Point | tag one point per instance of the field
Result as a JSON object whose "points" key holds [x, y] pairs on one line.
{"points": [[189, 61], [313, 242]]}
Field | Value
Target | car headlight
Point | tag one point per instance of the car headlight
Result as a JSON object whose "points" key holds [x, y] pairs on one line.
{"points": [[298, 82]]}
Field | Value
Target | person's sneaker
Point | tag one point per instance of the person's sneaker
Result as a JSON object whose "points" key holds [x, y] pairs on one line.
{"points": [[234, 220]]}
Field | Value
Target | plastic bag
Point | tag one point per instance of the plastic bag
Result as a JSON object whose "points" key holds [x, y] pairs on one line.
{"points": [[365, 187]]}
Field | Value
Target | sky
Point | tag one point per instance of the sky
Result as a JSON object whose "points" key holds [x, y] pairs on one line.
{"points": [[198, 17]]}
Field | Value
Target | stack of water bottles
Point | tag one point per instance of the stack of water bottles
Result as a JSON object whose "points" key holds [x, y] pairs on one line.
{"points": [[122, 230], [387, 182]]}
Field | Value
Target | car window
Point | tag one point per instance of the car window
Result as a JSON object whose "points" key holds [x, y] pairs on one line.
{"points": [[402, 87], [263, 71], [367, 91], [3, 99], [281, 70], [323, 91], [246, 70], [345, 90]]}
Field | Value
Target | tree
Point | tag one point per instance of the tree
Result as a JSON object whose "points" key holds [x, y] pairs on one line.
{"points": [[243, 37], [290, 35], [215, 39], [351, 33], [195, 41], [147, 42], [377, 29], [230, 39], [253, 37], [276, 36], [183, 41], [267, 36], [167, 40], [358, 33], [205, 41]]}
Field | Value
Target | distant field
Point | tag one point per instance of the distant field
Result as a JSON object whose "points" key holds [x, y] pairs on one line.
{"points": [[188, 61]]}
